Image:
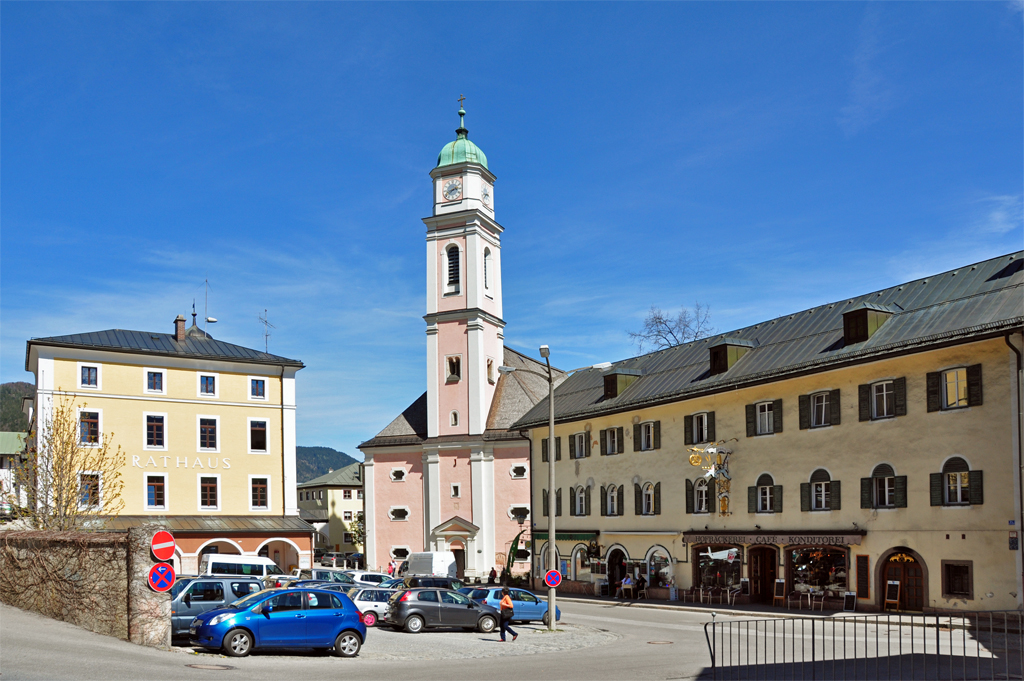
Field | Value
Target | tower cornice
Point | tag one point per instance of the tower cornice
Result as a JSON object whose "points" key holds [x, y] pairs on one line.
{"points": [[468, 314], [458, 168], [463, 218]]}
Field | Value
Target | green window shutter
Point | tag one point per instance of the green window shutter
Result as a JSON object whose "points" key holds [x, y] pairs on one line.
{"points": [[544, 450], [604, 500], [751, 499], [622, 500], [558, 502], [689, 496], [974, 393], [657, 434], [544, 496], [778, 498], [589, 445], [777, 416], [558, 448], [572, 501], [712, 497], [586, 501], [687, 430], [863, 402], [835, 408], [638, 499], [865, 492], [899, 390], [620, 441], [805, 496], [711, 427], [751, 420], [901, 491], [657, 498], [636, 437], [572, 447], [935, 487], [805, 412], [976, 487], [933, 382], [836, 502], [604, 442]]}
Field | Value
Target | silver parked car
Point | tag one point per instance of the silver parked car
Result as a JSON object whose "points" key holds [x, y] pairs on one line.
{"points": [[373, 603], [192, 597]]}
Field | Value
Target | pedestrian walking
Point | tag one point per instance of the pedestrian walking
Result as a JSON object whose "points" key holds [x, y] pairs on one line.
{"points": [[491, 578], [506, 614]]}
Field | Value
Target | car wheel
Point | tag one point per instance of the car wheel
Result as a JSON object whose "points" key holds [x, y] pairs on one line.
{"points": [[347, 644], [369, 618], [486, 624], [237, 643], [545, 619], [414, 624]]}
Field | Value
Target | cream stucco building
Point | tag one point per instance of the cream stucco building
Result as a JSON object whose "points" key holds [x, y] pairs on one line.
{"points": [[207, 428], [332, 503], [871, 440]]}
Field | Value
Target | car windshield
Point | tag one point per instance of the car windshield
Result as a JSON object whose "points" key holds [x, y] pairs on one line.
{"points": [[274, 570], [178, 586], [249, 600]]}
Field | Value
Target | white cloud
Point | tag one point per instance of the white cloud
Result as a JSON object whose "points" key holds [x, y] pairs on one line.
{"points": [[1000, 214], [870, 96]]}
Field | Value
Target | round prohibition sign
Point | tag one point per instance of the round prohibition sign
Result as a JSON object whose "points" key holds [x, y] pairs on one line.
{"points": [[161, 577], [162, 545], [553, 578]]}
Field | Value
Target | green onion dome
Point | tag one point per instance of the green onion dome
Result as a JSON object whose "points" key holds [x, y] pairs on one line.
{"points": [[461, 150]]}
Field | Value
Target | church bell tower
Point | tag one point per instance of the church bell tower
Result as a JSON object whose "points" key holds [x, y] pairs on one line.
{"points": [[465, 342]]}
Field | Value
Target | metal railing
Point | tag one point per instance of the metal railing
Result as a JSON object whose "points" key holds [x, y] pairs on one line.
{"points": [[954, 646]]}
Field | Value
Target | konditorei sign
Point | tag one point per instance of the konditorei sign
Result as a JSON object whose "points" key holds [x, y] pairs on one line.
{"points": [[785, 539]]}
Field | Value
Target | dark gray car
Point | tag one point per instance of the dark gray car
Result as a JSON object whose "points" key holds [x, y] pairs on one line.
{"points": [[416, 609], [206, 593]]}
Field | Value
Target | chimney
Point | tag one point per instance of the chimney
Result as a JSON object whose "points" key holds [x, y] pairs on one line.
{"points": [[179, 328]]}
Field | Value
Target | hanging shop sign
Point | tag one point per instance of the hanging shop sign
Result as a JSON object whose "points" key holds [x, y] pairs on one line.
{"points": [[714, 458]]}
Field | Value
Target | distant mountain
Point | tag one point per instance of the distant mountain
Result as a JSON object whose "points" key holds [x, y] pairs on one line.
{"points": [[312, 462], [12, 418]]}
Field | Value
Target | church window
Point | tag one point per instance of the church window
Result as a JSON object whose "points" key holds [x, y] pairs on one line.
{"points": [[399, 513], [452, 256], [453, 368], [490, 371], [517, 472], [397, 474], [487, 268], [456, 490], [453, 419]]}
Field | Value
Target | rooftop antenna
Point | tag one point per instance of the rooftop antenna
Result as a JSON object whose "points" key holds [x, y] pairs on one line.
{"points": [[267, 326], [207, 319]]}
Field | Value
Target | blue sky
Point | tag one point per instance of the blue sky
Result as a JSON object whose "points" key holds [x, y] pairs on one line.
{"points": [[761, 158]]}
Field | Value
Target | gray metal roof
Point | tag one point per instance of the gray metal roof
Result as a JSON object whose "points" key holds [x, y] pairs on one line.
{"points": [[349, 476], [207, 524], [195, 346], [974, 301]]}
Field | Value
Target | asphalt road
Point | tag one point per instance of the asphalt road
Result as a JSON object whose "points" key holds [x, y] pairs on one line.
{"points": [[628, 643]]}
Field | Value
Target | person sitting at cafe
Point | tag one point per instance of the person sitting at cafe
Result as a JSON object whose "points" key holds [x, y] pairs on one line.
{"points": [[641, 584], [627, 582]]}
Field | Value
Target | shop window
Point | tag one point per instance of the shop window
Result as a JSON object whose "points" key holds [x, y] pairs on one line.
{"points": [[581, 565], [718, 566], [659, 569], [958, 579], [818, 568]]}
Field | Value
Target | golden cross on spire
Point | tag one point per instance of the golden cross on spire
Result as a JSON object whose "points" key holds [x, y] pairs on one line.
{"points": [[462, 98]]}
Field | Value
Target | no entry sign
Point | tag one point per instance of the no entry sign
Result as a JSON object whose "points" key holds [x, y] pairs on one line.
{"points": [[162, 545], [161, 577], [553, 578]]}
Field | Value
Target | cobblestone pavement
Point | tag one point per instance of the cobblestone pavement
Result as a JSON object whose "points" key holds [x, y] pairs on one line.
{"points": [[385, 643]]}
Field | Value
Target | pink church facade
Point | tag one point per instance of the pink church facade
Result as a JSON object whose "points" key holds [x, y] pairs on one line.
{"points": [[447, 474]]}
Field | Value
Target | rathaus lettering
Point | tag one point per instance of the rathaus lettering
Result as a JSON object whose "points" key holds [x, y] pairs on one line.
{"points": [[182, 462]]}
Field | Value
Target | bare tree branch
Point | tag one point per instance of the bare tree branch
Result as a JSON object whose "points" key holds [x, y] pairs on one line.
{"points": [[661, 330]]}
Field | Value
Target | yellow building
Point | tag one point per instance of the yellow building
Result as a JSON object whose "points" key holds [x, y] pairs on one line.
{"points": [[207, 428], [332, 503], [838, 449]]}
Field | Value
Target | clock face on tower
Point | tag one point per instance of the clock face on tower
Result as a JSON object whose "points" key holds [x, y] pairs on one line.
{"points": [[452, 189], [485, 195]]}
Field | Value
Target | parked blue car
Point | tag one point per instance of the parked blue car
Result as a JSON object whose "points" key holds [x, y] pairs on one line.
{"points": [[282, 618], [525, 606]]}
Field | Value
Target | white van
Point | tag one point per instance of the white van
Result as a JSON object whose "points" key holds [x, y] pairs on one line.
{"points": [[243, 566], [432, 563]]}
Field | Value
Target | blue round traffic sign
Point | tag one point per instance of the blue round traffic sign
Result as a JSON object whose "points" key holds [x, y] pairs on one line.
{"points": [[161, 577], [553, 578]]}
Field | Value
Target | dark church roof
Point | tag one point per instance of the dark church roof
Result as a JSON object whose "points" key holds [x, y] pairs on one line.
{"points": [[514, 395], [973, 302]]}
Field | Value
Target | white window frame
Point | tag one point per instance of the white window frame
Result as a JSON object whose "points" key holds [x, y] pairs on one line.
{"points": [[216, 385], [964, 480], [145, 431], [347, 538], [248, 435], [819, 399], [266, 388], [99, 500], [452, 289], [456, 490], [888, 490], [701, 435], [359, 493], [391, 551], [408, 514], [219, 438], [512, 471], [613, 501], [646, 436], [580, 499], [146, 371], [960, 404], [581, 444], [766, 497], [647, 499], [512, 516], [199, 492], [350, 495], [99, 427], [347, 516], [146, 475], [99, 376], [821, 496], [611, 438], [405, 474], [765, 418], [448, 376], [888, 399], [257, 509], [700, 489]]}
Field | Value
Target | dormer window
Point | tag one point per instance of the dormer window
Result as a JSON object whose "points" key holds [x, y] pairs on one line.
{"points": [[726, 353], [617, 380], [860, 323]]}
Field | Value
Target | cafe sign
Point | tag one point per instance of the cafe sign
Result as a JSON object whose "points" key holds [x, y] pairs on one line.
{"points": [[787, 539]]}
